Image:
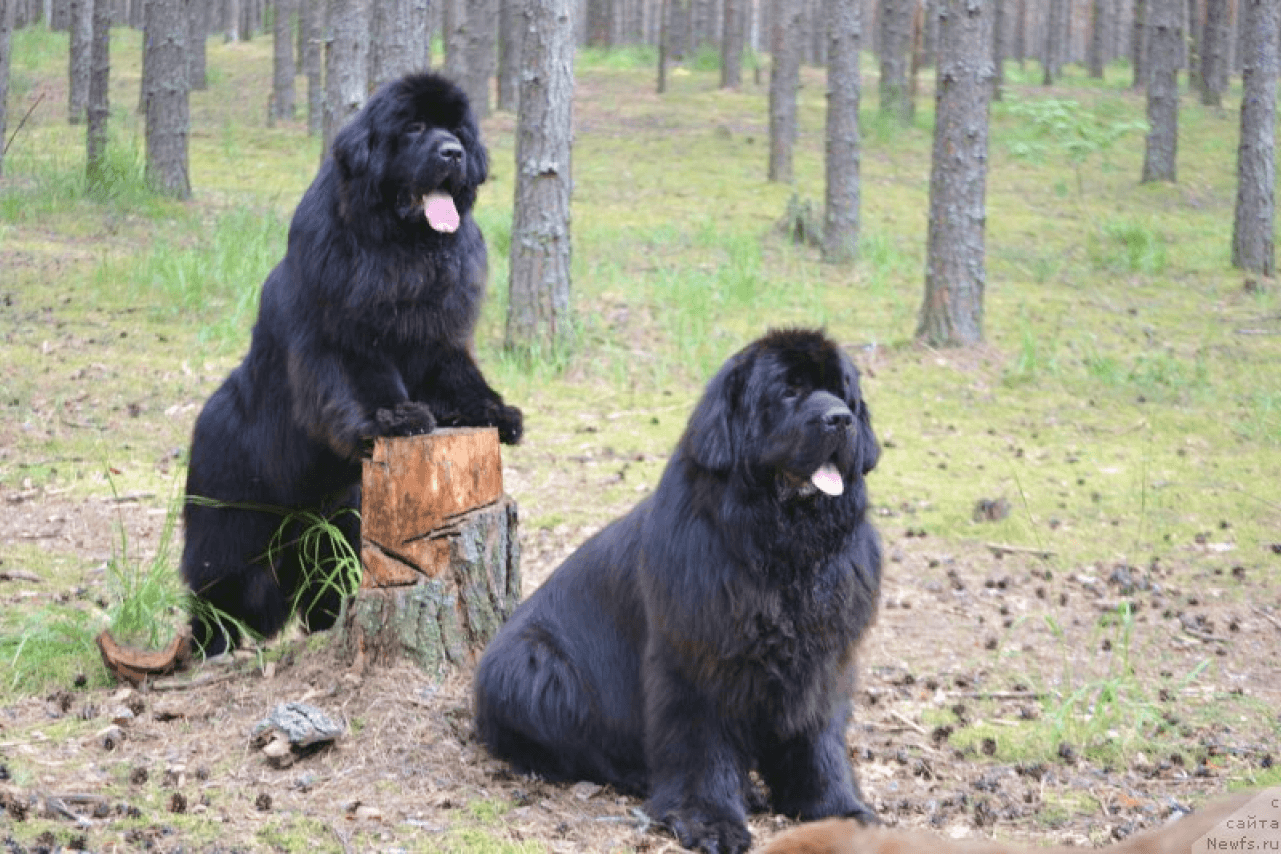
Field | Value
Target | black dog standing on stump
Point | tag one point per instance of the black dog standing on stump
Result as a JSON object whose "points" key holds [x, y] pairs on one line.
{"points": [[364, 329], [711, 631]]}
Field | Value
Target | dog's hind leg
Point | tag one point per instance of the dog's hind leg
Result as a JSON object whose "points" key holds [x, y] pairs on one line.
{"points": [[535, 709]]}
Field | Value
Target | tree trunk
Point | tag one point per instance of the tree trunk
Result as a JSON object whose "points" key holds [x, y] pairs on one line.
{"points": [[1055, 40], [1165, 47], [1020, 32], [454, 36], [346, 65], [424, 13], [283, 67], [784, 80], [1252, 225], [600, 23], [679, 23], [664, 31], [732, 45], [99, 107], [81, 37], [311, 23], [998, 48], [482, 53], [1098, 21], [232, 21], [167, 115], [1139, 43], [510, 33], [841, 208], [440, 551], [538, 311], [6, 40], [397, 54], [895, 42], [1214, 52], [197, 34], [955, 276]]}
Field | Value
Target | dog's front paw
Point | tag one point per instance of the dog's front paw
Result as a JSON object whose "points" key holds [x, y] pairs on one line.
{"points": [[712, 834], [407, 418], [510, 423]]}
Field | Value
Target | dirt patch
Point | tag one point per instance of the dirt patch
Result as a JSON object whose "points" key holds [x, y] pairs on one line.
{"points": [[942, 710]]}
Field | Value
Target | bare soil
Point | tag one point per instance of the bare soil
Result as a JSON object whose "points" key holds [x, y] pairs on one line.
{"points": [[959, 625]]}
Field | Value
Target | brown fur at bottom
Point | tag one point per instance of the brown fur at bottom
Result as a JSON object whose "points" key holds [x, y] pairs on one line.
{"points": [[842, 836]]}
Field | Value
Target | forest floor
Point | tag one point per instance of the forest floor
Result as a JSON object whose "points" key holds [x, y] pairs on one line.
{"points": [[1091, 650]]}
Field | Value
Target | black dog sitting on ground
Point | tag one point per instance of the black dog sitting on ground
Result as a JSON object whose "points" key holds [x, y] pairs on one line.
{"points": [[364, 329], [711, 631]]}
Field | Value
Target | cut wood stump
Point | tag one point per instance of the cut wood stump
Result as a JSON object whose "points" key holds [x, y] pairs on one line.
{"points": [[440, 551]]}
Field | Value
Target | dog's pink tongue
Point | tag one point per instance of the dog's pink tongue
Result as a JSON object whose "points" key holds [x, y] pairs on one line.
{"points": [[828, 479], [442, 214]]}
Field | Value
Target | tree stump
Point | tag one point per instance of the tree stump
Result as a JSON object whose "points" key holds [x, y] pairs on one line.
{"points": [[440, 551]]}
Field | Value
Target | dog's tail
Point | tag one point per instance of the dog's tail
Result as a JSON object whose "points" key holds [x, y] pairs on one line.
{"points": [[841, 836]]}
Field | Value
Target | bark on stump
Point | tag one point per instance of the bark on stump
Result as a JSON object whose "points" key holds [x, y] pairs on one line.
{"points": [[440, 551]]}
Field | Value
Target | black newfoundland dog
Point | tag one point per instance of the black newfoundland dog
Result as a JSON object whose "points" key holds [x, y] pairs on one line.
{"points": [[711, 631], [364, 330]]}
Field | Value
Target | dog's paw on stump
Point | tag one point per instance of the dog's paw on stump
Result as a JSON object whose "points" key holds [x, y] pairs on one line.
{"points": [[439, 548]]}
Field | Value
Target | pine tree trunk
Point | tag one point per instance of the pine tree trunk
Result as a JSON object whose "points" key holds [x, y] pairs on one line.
{"points": [[1165, 47], [6, 39], [232, 21], [1055, 37], [1214, 53], [197, 34], [1020, 32], [424, 12], [167, 114], [346, 65], [841, 216], [482, 53], [538, 310], [998, 48], [1253, 222], [784, 80], [732, 45], [454, 36], [81, 37], [510, 33], [895, 42], [955, 275], [1098, 21], [99, 107], [440, 550], [311, 23], [600, 23], [283, 68], [392, 49], [1139, 43]]}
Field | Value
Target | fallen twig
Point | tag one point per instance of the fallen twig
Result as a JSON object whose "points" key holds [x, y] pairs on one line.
{"points": [[188, 684], [1000, 548], [1265, 615], [14, 135]]}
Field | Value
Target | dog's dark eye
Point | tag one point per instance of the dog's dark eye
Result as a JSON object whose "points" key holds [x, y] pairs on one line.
{"points": [[416, 128], [792, 392]]}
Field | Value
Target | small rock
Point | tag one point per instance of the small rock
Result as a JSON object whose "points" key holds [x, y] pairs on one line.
{"points": [[109, 738]]}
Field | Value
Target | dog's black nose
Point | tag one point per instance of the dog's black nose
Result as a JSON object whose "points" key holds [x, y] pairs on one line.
{"points": [[838, 418], [450, 152]]}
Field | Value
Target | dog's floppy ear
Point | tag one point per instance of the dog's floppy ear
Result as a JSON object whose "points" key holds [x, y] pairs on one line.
{"points": [[477, 156], [711, 438], [353, 146], [868, 448]]}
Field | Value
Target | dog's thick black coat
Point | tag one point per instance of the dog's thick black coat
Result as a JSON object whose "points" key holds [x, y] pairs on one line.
{"points": [[711, 631], [364, 329]]}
